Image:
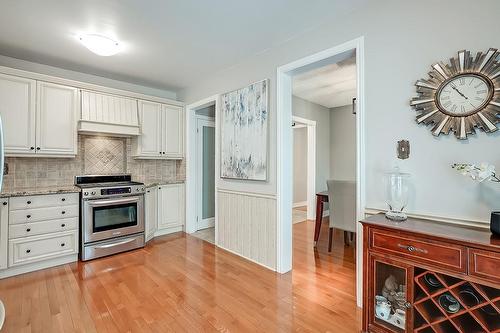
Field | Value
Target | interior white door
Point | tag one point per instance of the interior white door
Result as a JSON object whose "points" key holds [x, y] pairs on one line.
{"points": [[17, 108], [150, 142], [56, 125], [174, 131], [4, 227], [170, 205], [205, 179], [151, 209]]}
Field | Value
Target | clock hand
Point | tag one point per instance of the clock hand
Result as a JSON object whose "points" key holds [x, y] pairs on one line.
{"points": [[458, 91]]}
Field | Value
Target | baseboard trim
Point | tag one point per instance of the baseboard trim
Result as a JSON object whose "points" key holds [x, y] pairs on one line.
{"points": [[167, 231], [246, 258], [436, 218], [299, 204], [27, 268]]}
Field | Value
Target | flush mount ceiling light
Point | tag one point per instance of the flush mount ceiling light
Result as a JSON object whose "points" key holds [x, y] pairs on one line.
{"points": [[100, 45]]}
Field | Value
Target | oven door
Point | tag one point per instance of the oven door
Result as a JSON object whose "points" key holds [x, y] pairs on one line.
{"points": [[112, 217]]}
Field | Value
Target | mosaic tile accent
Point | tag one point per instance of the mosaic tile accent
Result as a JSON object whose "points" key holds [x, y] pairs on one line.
{"points": [[96, 155], [104, 155]]}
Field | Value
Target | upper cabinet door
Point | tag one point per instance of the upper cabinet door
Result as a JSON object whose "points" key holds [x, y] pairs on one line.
{"points": [[149, 142], [57, 111], [173, 132], [17, 109]]}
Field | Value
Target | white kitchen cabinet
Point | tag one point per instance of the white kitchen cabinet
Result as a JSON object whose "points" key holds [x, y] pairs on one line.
{"points": [[17, 109], [173, 123], [57, 110], [149, 143], [162, 131], [39, 118], [170, 206], [4, 227], [151, 211]]}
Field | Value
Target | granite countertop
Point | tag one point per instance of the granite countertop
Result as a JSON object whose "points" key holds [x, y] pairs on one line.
{"points": [[164, 182], [23, 191]]}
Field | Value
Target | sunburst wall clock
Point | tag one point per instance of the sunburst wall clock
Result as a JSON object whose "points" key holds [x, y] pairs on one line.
{"points": [[461, 95]]}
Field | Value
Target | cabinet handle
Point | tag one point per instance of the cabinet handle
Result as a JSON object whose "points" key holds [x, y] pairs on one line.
{"points": [[148, 191], [4, 203], [32, 148], [63, 225], [63, 199], [411, 248], [37, 148], [28, 230], [28, 202], [28, 251], [62, 244], [63, 212], [28, 216]]}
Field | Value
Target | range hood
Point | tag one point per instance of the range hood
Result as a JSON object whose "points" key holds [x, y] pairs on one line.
{"points": [[105, 114]]}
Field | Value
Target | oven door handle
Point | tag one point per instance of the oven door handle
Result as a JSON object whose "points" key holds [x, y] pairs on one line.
{"points": [[107, 202], [105, 246]]}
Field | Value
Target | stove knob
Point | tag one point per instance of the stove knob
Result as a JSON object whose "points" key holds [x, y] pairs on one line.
{"points": [[85, 193], [93, 193]]}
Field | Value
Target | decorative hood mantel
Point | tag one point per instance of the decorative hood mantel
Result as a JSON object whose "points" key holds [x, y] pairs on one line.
{"points": [[108, 114]]}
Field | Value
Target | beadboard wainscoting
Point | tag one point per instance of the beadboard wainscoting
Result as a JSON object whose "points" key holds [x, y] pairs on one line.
{"points": [[246, 226]]}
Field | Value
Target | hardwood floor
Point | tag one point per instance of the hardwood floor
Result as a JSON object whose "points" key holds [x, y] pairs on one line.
{"points": [[179, 283]]}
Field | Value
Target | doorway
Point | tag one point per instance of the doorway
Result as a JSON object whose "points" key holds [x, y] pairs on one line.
{"points": [[304, 169], [284, 150], [201, 169]]}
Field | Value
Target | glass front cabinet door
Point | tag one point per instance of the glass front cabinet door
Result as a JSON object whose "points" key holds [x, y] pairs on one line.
{"points": [[390, 297]]}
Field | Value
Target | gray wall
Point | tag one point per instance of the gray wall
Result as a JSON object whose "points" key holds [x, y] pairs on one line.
{"points": [[88, 78], [342, 143], [320, 114], [299, 164], [402, 40]]}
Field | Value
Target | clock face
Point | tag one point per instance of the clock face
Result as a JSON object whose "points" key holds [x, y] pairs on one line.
{"points": [[464, 95]]}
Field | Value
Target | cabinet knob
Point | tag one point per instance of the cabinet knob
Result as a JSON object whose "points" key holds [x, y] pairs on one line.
{"points": [[32, 148], [408, 305], [62, 244], [63, 199], [4, 203], [63, 225], [28, 216], [28, 202], [37, 148], [28, 230], [149, 191], [63, 212], [28, 251]]}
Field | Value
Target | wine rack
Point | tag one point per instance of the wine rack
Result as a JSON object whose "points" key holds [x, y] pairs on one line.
{"points": [[479, 305]]}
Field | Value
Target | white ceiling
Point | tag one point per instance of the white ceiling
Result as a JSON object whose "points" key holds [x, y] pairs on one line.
{"points": [[331, 85], [169, 44]]}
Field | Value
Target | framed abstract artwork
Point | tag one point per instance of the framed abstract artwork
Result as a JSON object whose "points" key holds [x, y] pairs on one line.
{"points": [[244, 126]]}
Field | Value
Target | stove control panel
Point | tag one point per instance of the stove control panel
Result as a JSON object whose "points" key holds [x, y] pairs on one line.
{"points": [[106, 192]]}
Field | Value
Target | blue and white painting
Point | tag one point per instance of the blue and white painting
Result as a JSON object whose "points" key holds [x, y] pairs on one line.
{"points": [[244, 118]]}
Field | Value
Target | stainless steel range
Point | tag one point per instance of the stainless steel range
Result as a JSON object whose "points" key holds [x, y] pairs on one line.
{"points": [[112, 215]]}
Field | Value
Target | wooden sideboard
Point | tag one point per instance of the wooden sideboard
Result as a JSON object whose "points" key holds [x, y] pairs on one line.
{"points": [[429, 277]]}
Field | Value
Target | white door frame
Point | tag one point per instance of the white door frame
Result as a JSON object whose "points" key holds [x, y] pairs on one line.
{"points": [[311, 164], [191, 160], [202, 121], [284, 155]]}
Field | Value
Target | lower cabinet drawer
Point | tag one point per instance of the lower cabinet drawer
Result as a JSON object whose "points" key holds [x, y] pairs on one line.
{"points": [[41, 228], [484, 265], [42, 214], [32, 249], [445, 255]]}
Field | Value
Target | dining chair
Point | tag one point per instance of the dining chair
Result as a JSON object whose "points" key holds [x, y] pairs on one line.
{"points": [[342, 209]]}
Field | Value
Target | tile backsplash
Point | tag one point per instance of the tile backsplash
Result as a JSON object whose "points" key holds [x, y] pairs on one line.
{"points": [[96, 155]]}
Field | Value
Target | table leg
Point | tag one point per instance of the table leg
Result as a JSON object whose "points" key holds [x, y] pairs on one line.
{"points": [[319, 217]]}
